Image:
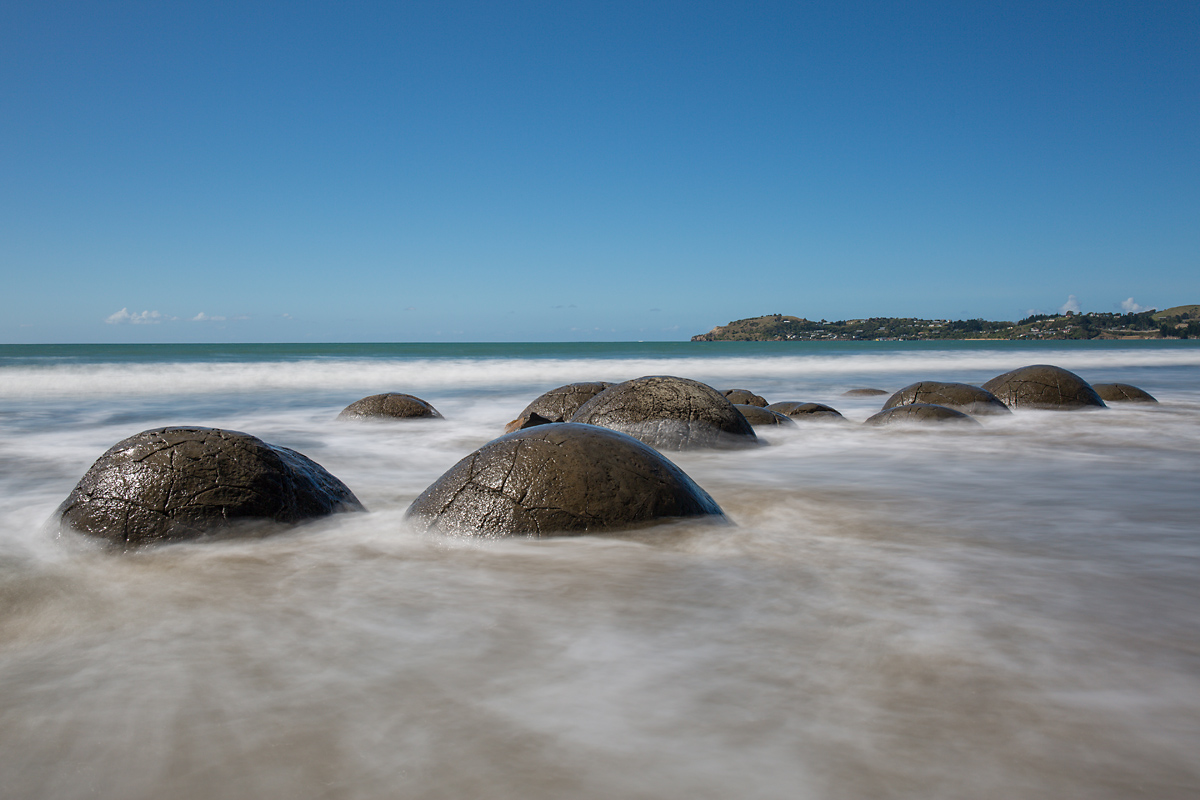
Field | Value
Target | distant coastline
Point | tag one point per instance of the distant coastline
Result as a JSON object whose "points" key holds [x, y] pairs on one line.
{"points": [[1179, 322]]}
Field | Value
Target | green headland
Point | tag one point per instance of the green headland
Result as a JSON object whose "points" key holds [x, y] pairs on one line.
{"points": [[1179, 322]]}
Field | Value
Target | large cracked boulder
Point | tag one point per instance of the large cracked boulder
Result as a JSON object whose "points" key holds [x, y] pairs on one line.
{"points": [[669, 413], [562, 478], [1122, 393], [180, 483], [390, 405], [959, 396], [757, 415], [1044, 386], [806, 412], [919, 413], [556, 405]]}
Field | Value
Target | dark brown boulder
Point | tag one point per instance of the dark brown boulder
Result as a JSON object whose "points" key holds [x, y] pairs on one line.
{"points": [[391, 405], [744, 397], [556, 405], [669, 413], [1044, 386], [1122, 393], [171, 484], [959, 396], [863, 393], [919, 413], [756, 416], [561, 478], [807, 412]]}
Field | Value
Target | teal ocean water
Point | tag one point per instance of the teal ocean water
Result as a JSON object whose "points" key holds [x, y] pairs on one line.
{"points": [[1007, 611]]}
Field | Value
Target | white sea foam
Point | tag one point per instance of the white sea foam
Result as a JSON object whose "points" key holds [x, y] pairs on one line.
{"points": [[385, 374]]}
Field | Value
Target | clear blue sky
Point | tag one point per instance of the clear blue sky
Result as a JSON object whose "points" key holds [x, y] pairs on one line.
{"points": [[475, 171]]}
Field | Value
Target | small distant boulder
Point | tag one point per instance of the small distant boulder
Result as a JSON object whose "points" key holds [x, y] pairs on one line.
{"points": [[1122, 393], [1044, 386], [959, 396], [808, 412], [756, 416], [744, 397], [391, 405], [669, 413], [556, 405], [171, 484], [863, 393], [561, 478], [919, 413]]}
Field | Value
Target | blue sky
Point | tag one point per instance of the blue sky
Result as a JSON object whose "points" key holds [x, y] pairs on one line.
{"points": [[560, 171]]}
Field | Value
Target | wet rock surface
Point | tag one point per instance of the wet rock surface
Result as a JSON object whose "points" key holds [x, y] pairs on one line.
{"points": [[864, 393], [756, 416], [390, 405], [960, 396], [1044, 386], [1122, 393], [920, 413], [171, 484], [669, 413], [563, 478], [798, 411], [556, 405], [744, 397]]}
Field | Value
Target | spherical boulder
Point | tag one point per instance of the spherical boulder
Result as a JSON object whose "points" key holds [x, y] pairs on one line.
{"points": [[1044, 386], [919, 413], [669, 413], [170, 484], [391, 405], [744, 397], [556, 405], [1122, 393], [756, 416], [562, 478], [959, 396], [863, 393], [807, 412]]}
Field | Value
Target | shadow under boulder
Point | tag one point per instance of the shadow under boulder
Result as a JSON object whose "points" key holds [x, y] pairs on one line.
{"points": [[959, 396], [171, 484], [1044, 386], [920, 413], [561, 478], [669, 413], [391, 405]]}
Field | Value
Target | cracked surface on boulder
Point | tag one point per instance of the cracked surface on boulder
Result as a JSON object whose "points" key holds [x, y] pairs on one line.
{"points": [[959, 396], [669, 413], [756, 416], [1123, 393], [556, 405], [1044, 386], [919, 412], [563, 478], [389, 405], [179, 483], [744, 397], [799, 411]]}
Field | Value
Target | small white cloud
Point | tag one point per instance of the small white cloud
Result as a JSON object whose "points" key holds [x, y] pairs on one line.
{"points": [[202, 317], [1130, 307], [123, 317], [1072, 304]]}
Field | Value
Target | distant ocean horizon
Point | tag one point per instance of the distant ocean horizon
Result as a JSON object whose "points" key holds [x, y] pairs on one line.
{"points": [[992, 611]]}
